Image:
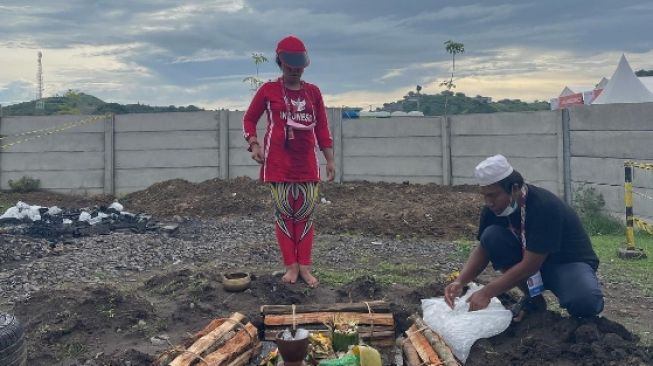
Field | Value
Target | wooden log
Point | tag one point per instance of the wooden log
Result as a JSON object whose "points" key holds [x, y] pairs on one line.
{"points": [[208, 329], [365, 330], [244, 358], [439, 345], [270, 335], [377, 306], [324, 317], [244, 339], [205, 342], [382, 342], [316, 327], [411, 357], [423, 347]]}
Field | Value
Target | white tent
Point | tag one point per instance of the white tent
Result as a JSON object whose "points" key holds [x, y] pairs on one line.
{"points": [[602, 83], [566, 91], [647, 81], [624, 87]]}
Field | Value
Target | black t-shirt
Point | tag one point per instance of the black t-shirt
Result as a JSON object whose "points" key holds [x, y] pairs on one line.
{"points": [[552, 227]]}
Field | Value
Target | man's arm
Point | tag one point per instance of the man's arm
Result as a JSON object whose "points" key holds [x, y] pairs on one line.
{"points": [[513, 277], [476, 263]]}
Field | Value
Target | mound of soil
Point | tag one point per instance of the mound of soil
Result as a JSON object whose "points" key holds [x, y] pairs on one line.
{"points": [[384, 209]]}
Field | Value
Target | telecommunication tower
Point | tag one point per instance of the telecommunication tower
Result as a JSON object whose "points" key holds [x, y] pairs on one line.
{"points": [[40, 105]]}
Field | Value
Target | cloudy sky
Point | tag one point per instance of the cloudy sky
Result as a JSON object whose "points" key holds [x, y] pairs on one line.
{"points": [[363, 52]]}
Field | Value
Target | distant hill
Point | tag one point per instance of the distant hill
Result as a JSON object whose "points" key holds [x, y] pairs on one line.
{"points": [[73, 102], [459, 103]]}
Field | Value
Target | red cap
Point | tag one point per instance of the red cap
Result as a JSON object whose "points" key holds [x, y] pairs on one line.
{"points": [[292, 52]]}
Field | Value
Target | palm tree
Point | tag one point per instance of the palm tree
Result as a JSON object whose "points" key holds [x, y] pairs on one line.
{"points": [[452, 48]]}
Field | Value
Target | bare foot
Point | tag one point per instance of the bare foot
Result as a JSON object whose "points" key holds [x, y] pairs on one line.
{"points": [[292, 272], [305, 273]]}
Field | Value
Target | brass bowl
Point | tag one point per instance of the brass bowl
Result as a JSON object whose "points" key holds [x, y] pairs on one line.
{"points": [[236, 282]]}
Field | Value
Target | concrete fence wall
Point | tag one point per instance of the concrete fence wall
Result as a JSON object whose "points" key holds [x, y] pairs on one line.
{"points": [[559, 150], [602, 138]]}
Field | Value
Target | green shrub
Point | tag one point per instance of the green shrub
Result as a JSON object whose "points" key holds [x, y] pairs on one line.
{"points": [[25, 184], [590, 206]]}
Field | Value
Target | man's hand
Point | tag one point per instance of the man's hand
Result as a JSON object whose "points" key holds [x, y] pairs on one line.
{"points": [[331, 170], [479, 300], [257, 153], [453, 290]]}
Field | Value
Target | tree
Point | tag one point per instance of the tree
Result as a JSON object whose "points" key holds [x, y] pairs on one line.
{"points": [[254, 81], [452, 48]]}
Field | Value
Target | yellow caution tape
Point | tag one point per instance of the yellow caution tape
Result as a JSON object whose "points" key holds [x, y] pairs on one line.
{"points": [[639, 165], [51, 130], [643, 225]]}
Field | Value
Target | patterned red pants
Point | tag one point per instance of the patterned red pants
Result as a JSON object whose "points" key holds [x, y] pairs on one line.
{"points": [[294, 206]]}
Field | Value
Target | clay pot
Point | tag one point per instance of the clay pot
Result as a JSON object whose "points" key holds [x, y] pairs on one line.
{"points": [[236, 282], [293, 352]]}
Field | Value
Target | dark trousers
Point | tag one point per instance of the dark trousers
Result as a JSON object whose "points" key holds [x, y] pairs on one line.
{"points": [[575, 284]]}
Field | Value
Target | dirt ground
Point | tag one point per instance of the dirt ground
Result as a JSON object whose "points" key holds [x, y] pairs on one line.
{"points": [[112, 322]]}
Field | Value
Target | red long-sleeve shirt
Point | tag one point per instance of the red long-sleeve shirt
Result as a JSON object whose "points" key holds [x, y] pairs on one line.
{"points": [[290, 155]]}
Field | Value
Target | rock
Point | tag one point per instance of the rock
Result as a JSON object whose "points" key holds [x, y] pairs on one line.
{"points": [[160, 340], [170, 229]]}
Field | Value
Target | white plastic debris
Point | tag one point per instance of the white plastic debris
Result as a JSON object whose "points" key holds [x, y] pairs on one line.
{"points": [[97, 219], [54, 210], [84, 216], [117, 206], [67, 221], [22, 210], [325, 201]]}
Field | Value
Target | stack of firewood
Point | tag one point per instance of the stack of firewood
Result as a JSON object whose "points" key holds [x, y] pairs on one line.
{"points": [[224, 342], [423, 346], [376, 326]]}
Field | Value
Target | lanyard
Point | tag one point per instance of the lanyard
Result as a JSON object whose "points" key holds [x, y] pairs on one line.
{"points": [[521, 202]]}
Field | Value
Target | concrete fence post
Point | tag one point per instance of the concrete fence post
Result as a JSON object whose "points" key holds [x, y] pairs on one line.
{"points": [[1, 149], [445, 135], [335, 116], [566, 157], [223, 138], [109, 155]]}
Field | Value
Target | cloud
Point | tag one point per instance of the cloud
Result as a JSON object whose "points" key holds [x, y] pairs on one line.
{"points": [[205, 55], [372, 51]]}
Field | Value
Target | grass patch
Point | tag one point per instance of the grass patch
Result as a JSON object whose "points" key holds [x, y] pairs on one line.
{"points": [[384, 273], [636, 272], [463, 249]]}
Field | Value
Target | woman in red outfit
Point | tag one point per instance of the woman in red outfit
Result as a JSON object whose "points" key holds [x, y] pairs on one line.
{"points": [[296, 126]]}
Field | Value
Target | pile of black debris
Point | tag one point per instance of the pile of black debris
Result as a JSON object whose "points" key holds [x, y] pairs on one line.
{"points": [[60, 224]]}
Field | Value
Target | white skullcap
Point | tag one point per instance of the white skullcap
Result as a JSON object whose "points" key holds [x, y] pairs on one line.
{"points": [[492, 170]]}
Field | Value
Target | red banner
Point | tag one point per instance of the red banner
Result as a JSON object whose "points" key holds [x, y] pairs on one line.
{"points": [[569, 100]]}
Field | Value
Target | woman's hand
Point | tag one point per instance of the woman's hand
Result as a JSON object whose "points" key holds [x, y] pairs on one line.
{"points": [[331, 170], [257, 153], [331, 163]]}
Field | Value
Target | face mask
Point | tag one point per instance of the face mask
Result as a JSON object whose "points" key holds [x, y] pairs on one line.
{"points": [[509, 209]]}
